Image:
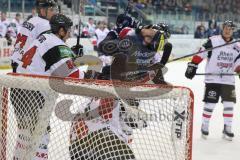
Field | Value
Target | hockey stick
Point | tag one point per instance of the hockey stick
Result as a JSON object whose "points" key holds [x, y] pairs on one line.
{"points": [[79, 35], [206, 50], [218, 74], [128, 8]]}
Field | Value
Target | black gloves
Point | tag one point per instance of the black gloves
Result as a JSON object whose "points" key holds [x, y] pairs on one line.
{"points": [[127, 21], [77, 50], [191, 70]]}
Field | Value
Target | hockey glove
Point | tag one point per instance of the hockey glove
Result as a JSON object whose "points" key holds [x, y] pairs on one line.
{"points": [[105, 75], [159, 79], [77, 50], [127, 21], [191, 70]]}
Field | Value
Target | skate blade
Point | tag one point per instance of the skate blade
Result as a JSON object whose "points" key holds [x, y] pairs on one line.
{"points": [[204, 136], [225, 137]]}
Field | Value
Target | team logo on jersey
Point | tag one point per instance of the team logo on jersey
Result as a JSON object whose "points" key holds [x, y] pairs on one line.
{"points": [[65, 52], [125, 44], [212, 94]]}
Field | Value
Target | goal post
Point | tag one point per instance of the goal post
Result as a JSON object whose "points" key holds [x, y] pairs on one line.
{"points": [[31, 103]]}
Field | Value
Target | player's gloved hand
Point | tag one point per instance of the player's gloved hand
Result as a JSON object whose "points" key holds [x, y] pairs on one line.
{"points": [[105, 75], [159, 79], [156, 73], [127, 21], [77, 50], [191, 70]]}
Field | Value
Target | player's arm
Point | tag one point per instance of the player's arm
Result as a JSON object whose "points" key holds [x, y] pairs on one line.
{"points": [[237, 65], [59, 62], [197, 59]]}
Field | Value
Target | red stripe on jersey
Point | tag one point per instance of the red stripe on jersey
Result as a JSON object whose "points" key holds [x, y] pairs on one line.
{"points": [[124, 32], [228, 115], [206, 116], [74, 74], [197, 59]]}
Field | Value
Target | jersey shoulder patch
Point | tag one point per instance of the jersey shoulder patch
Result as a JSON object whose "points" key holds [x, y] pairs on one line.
{"points": [[65, 52]]}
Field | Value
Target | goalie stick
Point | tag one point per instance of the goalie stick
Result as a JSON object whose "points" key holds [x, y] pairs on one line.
{"points": [[206, 50]]}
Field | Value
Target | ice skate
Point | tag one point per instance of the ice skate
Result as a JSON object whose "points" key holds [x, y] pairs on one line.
{"points": [[204, 131], [227, 133]]}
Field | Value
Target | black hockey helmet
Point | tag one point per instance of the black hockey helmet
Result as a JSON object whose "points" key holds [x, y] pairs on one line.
{"points": [[46, 3], [229, 23], [162, 27], [60, 21]]}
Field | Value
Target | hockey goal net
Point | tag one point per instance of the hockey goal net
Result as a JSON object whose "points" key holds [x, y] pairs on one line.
{"points": [[30, 107]]}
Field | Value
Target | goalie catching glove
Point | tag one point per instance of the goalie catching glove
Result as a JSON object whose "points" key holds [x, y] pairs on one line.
{"points": [[191, 70]]}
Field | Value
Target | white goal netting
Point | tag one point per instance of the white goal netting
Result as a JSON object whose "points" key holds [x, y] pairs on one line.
{"points": [[63, 119]]}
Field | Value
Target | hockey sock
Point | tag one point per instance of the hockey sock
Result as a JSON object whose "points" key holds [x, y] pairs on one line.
{"points": [[42, 150], [228, 113], [207, 114]]}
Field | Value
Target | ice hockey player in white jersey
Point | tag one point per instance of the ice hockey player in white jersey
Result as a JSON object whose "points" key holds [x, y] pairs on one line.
{"points": [[33, 28], [220, 61], [47, 55]]}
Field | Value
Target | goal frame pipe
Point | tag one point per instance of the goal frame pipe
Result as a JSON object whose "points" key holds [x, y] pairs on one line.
{"points": [[4, 122]]}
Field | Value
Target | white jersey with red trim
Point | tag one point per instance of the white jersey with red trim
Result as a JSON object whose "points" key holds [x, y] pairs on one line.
{"points": [[221, 61], [29, 31], [47, 55]]}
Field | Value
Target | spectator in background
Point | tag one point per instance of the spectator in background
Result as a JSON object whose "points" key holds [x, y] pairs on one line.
{"points": [[3, 30], [213, 29], [101, 31], [3, 25], [16, 22], [4, 19], [200, 32], [91, 27]]}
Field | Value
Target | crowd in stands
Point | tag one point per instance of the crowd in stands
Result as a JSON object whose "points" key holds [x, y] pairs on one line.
{"points": [[222, 6], [203, 32], [164, 5]]}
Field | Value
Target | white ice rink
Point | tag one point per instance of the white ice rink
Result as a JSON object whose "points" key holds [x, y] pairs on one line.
{"points": [[214, 148]]}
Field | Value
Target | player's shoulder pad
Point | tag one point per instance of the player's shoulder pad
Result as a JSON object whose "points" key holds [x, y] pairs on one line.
{"points": [[125, 32]]}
